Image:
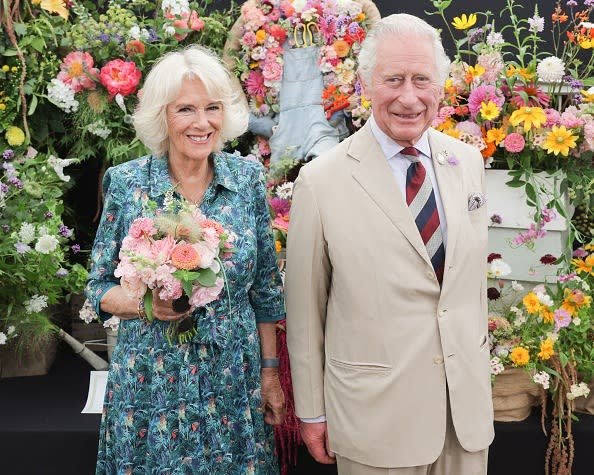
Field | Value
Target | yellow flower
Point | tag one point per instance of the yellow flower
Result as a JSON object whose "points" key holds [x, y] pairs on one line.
{"points": [[449, 123], [2, 106], [366, 103], [559, 141], [589, 247], [463, 23], [529, 116], [278, 246], [531, 302], [260, 36], [587, 43], [489, 110], [546, 349], [453, 133], [14, 69], [520, 356], [473, 72], [546, 315], [14, 136], [55, 6], [360, 17], [5, 68], [495, 135], [586, 96], [254, 64]]}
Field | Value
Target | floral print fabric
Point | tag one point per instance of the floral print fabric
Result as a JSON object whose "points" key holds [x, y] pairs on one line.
{"points": [[192, 408]]}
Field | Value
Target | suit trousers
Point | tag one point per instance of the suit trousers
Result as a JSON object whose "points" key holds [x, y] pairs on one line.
{"points": [[453, 460]]}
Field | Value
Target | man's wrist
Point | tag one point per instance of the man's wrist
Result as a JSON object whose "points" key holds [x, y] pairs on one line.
{"points": [[269, 363], [313, 420]]}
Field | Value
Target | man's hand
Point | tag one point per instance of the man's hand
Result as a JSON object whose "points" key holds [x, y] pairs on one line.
{"points": [[315, 436]]}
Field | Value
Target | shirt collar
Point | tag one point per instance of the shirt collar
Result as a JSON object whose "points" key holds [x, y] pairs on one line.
{"points": [[160, 180], [391, 148]]}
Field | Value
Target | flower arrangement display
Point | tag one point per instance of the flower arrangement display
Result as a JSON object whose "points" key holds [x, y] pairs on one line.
{"points": [[526, 109], [337, 27], [36, 246], [548, 331], [177, 251], [99, 78]]}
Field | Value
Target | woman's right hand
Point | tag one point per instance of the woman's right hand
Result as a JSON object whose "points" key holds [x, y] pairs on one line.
{"points": [[163, 309]]}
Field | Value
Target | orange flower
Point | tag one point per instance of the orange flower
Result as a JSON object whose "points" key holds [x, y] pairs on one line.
{"points": [[342, 48], [520, 356], [546, 315], [260, 36], [559, 16], [185, 256], [489, 149]]}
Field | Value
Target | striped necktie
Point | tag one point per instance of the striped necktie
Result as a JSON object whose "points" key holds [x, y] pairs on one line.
{"points": [[420, 199]]}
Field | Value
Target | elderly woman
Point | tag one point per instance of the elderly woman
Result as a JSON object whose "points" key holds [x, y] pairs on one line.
{"points": [[197, 407]]}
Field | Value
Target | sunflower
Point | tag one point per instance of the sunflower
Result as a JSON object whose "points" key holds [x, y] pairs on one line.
{"points": [[463, 22], [559, 141], [529, 116]]}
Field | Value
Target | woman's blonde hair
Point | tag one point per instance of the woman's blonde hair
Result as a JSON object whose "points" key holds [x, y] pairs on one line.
{"points": [[163, 84]]}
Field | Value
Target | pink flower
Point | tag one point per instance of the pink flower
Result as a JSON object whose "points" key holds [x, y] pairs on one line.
{"points": [[253, 16], [249, 39], [553, 117], [278, 32], [493, 64], [272, 71], [161, 249], [204, 295], [170, 287], [484, 93], [446, 111], [196, 23], [120, 77], [589, 134], [263, 146], [134, 287], [570, 120], [279, 206], [78, 72], [281, 222], [514, 143], [142, 227], [255, 84], [211, 238], [181, 27], [562, 319], [580, 253]]}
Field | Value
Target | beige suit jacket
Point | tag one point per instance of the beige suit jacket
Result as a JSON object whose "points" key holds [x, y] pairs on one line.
{"points": [[372, 338]]}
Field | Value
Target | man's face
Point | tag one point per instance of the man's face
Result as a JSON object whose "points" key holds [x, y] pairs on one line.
{"points": [[405, 89]]}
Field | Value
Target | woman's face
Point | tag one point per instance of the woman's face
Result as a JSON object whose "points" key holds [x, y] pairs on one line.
{"points": [[194, 122]]}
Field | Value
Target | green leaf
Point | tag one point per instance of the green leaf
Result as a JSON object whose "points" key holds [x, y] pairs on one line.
{"points": [[20, 28], [207, 278], [32, 105], [148, 305], [515, 183], [563, 359], [187, 285], [530, 192], [38, 44]]}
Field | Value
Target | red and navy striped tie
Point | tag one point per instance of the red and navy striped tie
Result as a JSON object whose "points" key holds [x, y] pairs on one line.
{"points": [[420, 199]]}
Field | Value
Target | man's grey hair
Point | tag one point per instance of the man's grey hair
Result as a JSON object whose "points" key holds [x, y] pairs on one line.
{"points": [[163, 85], [400, 24]]}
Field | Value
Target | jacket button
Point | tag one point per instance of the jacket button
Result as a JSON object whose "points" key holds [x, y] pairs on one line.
{"points": [[438, 360]]}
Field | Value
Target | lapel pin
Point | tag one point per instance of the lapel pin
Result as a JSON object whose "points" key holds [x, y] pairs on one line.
{"points": [[441, 159]]}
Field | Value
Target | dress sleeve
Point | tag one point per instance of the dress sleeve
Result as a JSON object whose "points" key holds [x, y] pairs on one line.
{"points": [[106, 248], [266, 294]]}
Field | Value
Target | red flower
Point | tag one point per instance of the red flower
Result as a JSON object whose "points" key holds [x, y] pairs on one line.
{"points": [[493, 293], [278, 32], [135, 47], [491, 257], [357, 36], [548, 259], [120, 77]]}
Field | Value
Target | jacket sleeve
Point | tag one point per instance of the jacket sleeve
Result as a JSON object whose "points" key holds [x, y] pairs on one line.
{"points": [[307, 284]]}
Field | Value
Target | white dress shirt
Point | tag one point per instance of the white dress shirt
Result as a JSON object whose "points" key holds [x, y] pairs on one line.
{"points": [[399, 165]]}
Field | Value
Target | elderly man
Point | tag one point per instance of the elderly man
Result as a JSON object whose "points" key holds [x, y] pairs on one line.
{"points": [[386, 279]]}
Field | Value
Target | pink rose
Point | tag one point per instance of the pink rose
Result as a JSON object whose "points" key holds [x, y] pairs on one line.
{"points": [[249, 39], [514, 143], [272, 71], [78, 72], [204, 295], [142, 227], [120, 77]]}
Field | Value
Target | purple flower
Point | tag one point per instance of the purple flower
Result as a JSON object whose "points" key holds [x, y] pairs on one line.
{"points": [[580, 253], [8, 154], [571, 3], [21, 248], [548, 215], [49, 215], [452, 160], [153, 36], [103, 37], [573, 82], [61, 272], [566, 277], [64, 231], [280, 206], [496, 219], [358, 88], [75, 248], [13, 180], [588, 3], [3, 188], [475, 35], [562, 318], [5, 228]]}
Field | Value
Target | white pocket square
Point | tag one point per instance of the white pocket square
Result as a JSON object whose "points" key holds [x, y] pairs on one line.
{"points": [[476, 200]]}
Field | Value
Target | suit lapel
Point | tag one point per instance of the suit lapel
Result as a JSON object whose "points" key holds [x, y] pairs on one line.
{"points": [[451, 190], [374, 175]]}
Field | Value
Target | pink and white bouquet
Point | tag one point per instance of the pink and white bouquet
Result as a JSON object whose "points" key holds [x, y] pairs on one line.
{"points": [[179, 254]]}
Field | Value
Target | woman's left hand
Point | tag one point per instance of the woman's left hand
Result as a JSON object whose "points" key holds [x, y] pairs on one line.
{"points": [[273, 399]]}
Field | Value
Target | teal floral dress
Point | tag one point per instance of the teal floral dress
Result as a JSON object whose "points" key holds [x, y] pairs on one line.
{"points": [[191, 408]]}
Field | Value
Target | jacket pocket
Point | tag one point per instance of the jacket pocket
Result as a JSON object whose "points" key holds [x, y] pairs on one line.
{"points": [[366, 367]]}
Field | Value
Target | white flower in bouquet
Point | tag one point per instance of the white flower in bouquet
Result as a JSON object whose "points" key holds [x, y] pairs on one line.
{"points": [[36, 303], [498, 268], [545, 299], [99, 128], [27, 233], [494, 38], [578, 390], [47, 244], [136, 33], [62, 95], [10, 330], [542, 378], [298, 5], [551, 69]]}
